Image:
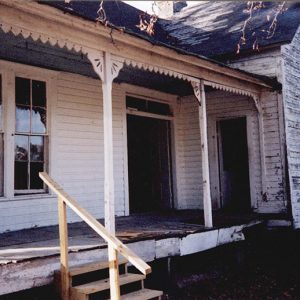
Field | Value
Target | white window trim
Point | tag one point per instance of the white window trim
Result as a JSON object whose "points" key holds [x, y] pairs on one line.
{"points": [[44, 135], [9, 72]]}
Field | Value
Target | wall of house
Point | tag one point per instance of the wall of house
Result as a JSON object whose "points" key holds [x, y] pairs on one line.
{"points": [[76, 146], [291, 97], [223, 105], [78, 143], [75, 124], [75, 153], [275, 197], [188, 157], [266, 62]]}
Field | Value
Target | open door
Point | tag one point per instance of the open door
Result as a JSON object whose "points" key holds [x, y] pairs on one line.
{"points": [[149, 164], [234, 165]]}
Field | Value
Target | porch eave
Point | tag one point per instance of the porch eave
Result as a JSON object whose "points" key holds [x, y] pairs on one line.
{"points": [[27, 17]]}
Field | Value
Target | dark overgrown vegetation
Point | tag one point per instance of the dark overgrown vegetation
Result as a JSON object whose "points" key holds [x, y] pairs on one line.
{"points": [[265, 266]]}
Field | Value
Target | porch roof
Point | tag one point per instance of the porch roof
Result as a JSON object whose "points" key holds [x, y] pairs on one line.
{"points": [[123, 17]]}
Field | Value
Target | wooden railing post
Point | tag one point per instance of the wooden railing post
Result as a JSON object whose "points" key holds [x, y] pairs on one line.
{"points": [[63, 240], [113, 273]]}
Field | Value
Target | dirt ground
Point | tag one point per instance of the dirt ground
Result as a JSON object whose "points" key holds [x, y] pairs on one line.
{"points": [[266, 266]]}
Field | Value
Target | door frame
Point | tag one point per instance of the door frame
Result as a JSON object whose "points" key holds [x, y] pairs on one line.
{"points": [[214, 157], [172, 144]]}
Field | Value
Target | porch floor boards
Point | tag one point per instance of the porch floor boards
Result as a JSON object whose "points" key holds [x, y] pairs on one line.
{"points": [[32, 243]]}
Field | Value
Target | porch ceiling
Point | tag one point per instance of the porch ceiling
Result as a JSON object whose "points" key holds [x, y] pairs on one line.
{"points": [[35, 53]]}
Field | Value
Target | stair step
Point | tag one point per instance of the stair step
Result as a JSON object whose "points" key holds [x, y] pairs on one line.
{"points": [[91, 267], [143, 294], [102, 285]]}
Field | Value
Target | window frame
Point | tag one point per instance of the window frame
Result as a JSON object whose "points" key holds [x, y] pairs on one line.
{"points": [[32, 192], [10, 70]]}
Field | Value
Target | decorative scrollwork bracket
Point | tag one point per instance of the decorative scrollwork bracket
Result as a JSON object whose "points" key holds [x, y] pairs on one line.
{"points": [[105, 66], [197, 90]]}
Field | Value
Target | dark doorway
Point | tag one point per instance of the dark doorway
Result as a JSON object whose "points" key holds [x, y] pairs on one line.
{"points": [[234, 165], [149, 164]]}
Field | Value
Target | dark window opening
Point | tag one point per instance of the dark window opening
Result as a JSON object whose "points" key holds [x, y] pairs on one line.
{"points": [[148, 106]]}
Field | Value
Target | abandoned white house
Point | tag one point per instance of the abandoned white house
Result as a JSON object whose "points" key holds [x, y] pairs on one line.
{"points": [[149, 122]]}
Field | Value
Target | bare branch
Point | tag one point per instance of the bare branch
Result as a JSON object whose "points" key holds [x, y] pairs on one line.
{"points": [[279, 10], [251, 7], [254, 6], [101, 13]]}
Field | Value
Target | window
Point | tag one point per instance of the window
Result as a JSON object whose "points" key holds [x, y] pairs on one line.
{"points": [[30, 135], [1, 140], [148, 106]]}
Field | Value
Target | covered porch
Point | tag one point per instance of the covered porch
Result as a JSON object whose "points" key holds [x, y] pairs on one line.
{"points": [[163, 81], [27, 244], [33, 254], [94, 91]]}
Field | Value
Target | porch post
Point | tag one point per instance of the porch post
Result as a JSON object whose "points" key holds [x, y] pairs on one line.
{"points": [[200, 95], [108, 69]]}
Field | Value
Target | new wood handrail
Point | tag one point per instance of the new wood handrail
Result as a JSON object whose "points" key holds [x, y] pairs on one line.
{"points": [[94, 224]]}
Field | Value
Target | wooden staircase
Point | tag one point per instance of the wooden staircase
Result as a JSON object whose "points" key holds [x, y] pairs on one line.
{"points": [[91, 282], [99, 280]]}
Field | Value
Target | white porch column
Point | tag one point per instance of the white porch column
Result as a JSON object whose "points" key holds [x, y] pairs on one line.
{"points": [[200, 95], [107, 69]]}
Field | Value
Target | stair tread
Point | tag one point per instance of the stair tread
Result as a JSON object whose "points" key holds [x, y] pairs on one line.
{"points": [[91, 267], [102, 285], [142, 294]]}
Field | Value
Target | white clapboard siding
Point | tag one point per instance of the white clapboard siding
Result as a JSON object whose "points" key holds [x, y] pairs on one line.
{"points": [[79, 162], [222, 105], [275, 200], [291, 99], [189, 170], [267, 62]]}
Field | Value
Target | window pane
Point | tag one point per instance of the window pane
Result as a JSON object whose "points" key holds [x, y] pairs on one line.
{"points": [[159, 108], [37, 148], [38, 93], [22, 119], [38, 120], [35, 181], [22, 91], [138, 104], [21, 148], [21, 175]]}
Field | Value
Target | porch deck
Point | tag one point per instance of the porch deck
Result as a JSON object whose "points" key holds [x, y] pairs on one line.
{"points": [[28, 244]]}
